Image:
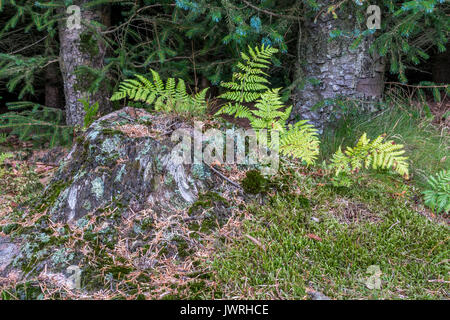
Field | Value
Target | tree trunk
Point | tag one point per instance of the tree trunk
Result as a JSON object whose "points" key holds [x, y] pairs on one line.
{"points": [[82, 47], [53, 94], [342, 72]]}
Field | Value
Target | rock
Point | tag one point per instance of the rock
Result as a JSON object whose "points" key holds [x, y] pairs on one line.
{"points": [[124, 159], [8, 252], [120, 214]]}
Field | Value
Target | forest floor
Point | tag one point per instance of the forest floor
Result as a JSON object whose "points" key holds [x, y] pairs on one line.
{"points": [[373, 240]]}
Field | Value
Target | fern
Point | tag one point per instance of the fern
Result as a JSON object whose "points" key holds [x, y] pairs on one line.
{"points": [[300, 141], [269, 113], [376, 154], [90, 112], [248, 84], [437, 197], [169, 97]]}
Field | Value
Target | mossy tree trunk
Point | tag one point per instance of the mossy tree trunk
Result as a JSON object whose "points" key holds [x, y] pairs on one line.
{"points": [[82, 47]]}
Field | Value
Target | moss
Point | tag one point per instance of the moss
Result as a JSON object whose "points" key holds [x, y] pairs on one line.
{"points": [[254, 182], [51, 195], [182, 247], [118, 271], [112, 132], [29, 290], [79, 140], [7, 229], [206, 201]]}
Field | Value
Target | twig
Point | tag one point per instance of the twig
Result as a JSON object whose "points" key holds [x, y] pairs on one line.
{"points": [[416, 86], [270, 13], [224, 177]]}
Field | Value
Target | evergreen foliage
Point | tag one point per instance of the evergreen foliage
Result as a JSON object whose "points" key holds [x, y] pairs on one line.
{"points": [[36, 123]]}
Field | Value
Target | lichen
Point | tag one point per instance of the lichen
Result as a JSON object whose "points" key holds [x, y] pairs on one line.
{"points": [[110, 145], [97, 188], [200, 171], [119, 175]]}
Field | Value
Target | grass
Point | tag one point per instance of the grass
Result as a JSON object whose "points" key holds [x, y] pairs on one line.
{"points": [[426, 145], [323, 238]]}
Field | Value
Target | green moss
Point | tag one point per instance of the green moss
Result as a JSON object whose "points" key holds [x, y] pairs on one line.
{"points": [[52, 194], [254, 182], [206, 201], [111, 132], [182, 247], [28, 290], [7, 229]]}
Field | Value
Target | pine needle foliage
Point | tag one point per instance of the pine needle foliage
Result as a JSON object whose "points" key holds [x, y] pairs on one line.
{"points": [[37, 123], [167, 97], [437, 197], [375, 154]]}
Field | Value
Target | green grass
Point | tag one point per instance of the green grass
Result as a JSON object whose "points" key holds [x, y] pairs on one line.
{"points": [[426, 146], [368, 224]]}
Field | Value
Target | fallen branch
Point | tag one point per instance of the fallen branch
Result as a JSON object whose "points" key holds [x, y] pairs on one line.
{"points": [[224, 177]]}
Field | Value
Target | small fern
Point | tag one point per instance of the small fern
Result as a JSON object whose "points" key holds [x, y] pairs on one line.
{"points": [[299, 140], [376, 154], [168, 97], [248, 84], [437, 197]]}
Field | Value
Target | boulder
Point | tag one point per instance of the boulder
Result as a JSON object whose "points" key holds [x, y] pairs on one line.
{"points": [[121, 215], [124, 160]]}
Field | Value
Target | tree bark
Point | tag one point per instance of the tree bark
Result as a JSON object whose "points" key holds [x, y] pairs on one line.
{"points": [[53, 94], [82, 47], [341, 72]]}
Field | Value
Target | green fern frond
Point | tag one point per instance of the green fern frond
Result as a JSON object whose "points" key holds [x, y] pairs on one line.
{"points": [[169, 97], [300, 141], [248, 84], [376, 154], [437, 197]]}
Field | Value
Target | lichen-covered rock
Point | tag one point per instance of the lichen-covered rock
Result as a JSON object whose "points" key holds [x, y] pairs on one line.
{"points": [[124, 160], [8, 252]]}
